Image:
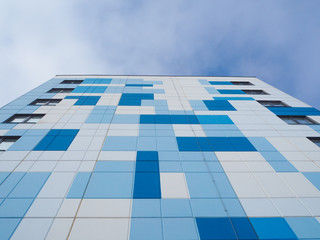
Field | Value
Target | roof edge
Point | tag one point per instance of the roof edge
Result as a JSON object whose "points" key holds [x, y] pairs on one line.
{"points": [[150, 75]]}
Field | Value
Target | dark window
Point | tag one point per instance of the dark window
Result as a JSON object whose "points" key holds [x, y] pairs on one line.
{"points": [[71, 81], [273, 104], [242, 83], [60, 90], [45, 102], [7, 141], [24, 118], [294, 120], [315, 140], [255, 92]]}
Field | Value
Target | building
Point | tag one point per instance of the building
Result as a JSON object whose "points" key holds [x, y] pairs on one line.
{"points": [[159, 157]]}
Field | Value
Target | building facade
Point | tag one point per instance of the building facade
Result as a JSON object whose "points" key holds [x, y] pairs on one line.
{"points": [[159, 157]]}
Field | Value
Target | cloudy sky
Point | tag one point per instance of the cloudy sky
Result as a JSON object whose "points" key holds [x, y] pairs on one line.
{"points": [[275, 40]]}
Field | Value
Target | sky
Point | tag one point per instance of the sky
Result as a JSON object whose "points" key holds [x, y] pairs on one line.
{"points": [[277, 41]]}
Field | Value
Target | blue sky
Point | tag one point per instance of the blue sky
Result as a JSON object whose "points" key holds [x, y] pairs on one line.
{"points": [[276, 40]]}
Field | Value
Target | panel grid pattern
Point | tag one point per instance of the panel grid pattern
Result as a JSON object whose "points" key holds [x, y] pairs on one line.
{"points": [[155, 157]]}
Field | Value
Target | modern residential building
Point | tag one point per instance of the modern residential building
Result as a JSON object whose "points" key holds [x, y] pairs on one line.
{"points": [[159, 157]]}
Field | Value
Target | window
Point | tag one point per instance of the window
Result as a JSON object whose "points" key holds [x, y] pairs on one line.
{"points": [[71, 82], [7, 141], [255, 92], [315, 140], [45, 102], [241, 83], [294, 120], [60, 90], [25, 118], [273, 104]]}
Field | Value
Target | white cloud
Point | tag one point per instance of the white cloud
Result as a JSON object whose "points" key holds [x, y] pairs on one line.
{"points": [[277, 41]]}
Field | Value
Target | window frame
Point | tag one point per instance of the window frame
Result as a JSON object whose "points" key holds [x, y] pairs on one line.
{"points": [[4, 138], [49, 100], [254, 92], [60, 90], [242, 83], [315, 140], [292, 118], [275, 101], [28, 117], [75, 81]]}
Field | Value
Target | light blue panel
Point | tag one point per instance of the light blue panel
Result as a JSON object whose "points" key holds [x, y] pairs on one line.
{"points": [[36, 132], [179, 228], [115, 143], [262, 144], [169, 156], [304, 227], [115, 166], [15, 207], [3, 176], [7, 125], [146, 208], [233, 207], [118, 81], [147, 144], [273, 156], [210, 156], [25, 143], [79, 185], [198, 105], [314, 178], [16, 132], [107, 118], [176, 208], [126, 118], [30, 185], [9, 183], [95, 118], [191, 156], [204, 82], [215, 167], [146, 229], [283, 166], [315, 127], [223, 185], [147, 102], [157, 91], [200, 185], [110, 185], [211, 90], [167, 144], [199, 166], [7, 227], [147, 132], [172, 166], [208, 208]]}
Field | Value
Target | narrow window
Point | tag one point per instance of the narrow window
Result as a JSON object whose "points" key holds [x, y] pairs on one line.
{"points": [[241, 83], [255, 92], [315, 140], [297, 120], [24, 118], [45, 102], [7, 141], [60, 90], [71, 82], [273, 104]]}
